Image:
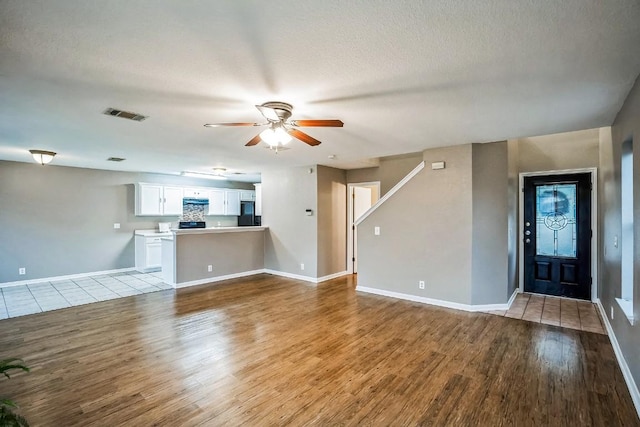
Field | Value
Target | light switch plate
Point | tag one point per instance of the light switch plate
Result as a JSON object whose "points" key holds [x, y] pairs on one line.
{"points": [[376, 231], [116, 225]]}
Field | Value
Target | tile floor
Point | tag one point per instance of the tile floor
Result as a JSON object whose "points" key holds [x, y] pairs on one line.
{"points": [[567, 313], [45, 296]]}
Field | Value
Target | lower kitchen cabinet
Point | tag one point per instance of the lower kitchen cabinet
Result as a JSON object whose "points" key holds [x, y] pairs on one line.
{"points": [[148, 253]]}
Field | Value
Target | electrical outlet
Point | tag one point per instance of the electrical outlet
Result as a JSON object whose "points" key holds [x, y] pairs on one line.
{"points": [[301, 266], [22, 271], [611, 312], [421, 284], [210, 268], [116, 225]]}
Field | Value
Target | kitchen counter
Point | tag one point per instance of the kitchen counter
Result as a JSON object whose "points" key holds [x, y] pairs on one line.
{"points": [[216, 230], [153, 233], [196, 256]]}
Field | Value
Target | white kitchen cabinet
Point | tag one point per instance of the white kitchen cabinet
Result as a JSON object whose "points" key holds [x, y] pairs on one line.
{"points": [[258, 193], [232, 199], [148, 253], [247, 196], [172, 200], [201, 193], [216, 202], [224, 202], [149, 199], [158, 200]]}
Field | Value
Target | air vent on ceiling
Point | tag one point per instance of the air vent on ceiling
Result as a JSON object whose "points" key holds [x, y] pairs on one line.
{"points": [[116, 159], [124, 114]]}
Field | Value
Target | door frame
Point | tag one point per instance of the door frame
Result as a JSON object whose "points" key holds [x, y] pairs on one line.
{"points": [[594, 224], [376, 185]]}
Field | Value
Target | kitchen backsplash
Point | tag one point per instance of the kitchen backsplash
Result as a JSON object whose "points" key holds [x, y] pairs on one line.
{"points": [[194, 209]]}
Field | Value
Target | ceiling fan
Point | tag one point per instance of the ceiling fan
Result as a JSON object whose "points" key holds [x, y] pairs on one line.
{"points": [[280, 128]]}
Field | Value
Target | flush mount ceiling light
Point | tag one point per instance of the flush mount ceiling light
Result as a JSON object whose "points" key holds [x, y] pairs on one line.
{"points": [[204, 175], [42, 157]]}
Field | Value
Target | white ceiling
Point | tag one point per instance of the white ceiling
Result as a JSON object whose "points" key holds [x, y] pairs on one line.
{"points": [[403, 76]]}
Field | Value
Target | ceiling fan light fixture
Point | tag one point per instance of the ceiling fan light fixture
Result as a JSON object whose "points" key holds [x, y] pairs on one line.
{"points": [[282, 135], [269, 136], [275, 136], [41, 156]]}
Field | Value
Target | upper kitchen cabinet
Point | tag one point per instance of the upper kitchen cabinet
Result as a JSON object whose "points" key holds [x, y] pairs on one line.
{"points": [[233, 202], [216, 202], [224, 202], [247, 196], [200, 193], [158, 200], [258, 194]]}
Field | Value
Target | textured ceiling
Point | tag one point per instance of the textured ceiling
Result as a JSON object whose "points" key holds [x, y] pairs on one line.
{"points": [[403, 76]]}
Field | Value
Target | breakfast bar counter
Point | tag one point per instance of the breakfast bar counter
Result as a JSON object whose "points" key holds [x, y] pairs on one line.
{"points": [[204, 255]]}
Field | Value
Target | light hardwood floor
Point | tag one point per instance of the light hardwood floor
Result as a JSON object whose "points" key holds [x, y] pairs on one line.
{"points": [[271, 351]]}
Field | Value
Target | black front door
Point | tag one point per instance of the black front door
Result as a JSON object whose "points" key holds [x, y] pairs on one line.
{"points": [[557, 235]]}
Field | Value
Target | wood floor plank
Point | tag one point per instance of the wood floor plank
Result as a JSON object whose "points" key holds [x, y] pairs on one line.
{"points": [[265, 350]]}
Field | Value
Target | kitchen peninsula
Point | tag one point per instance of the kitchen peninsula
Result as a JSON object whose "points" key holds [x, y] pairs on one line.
{"points": [[203, 255]]}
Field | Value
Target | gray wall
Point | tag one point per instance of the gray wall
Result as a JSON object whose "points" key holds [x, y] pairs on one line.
{"points": [[513, 193], [58, 220], [425, 232], [449, 228], [228, 253], [490, 253], [332, 221], [571, 150], [626, 124], [390, 171], [292, 237]]}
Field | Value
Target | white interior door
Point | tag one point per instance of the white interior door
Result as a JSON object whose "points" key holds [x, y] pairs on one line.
{"points": [[361, 202]]}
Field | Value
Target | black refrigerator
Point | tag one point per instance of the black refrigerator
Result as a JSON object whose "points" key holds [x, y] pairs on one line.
{"points": [[247, 214]]}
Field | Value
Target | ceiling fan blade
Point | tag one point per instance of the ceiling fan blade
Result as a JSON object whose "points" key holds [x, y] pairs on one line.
{"points": [[215, 125], [268, 113], [255, 140], [317, 123], [303, 137]]}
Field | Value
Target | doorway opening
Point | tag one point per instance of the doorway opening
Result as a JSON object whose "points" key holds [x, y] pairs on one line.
{"points": [[558, 234], [361, 196]]}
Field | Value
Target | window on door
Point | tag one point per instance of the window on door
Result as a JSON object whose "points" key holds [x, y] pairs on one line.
{"points": [[626, 236]]}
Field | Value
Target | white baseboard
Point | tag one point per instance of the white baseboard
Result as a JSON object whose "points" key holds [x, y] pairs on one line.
{"points": [[440, 303], [216, 279], [67, 277], [332, 276], [626, 372], [515, 293], [305, 278]]}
